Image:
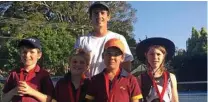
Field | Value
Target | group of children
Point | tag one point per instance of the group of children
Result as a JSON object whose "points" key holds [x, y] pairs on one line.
{"points": [[30, 83], [111, 53]]}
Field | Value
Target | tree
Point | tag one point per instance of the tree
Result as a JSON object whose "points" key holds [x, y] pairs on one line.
{"points": [[57, 24], [197, 44], [191, 65], [57, 44], [122, 18]]}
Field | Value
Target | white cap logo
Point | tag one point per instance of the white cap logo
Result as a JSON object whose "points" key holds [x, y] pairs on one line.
{"points": [[33, 40]]}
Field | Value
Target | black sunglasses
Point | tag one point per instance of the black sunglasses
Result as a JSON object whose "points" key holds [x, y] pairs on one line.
{"points": [[113, 53]]}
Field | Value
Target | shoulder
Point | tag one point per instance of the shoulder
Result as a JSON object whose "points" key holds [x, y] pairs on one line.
{"points": [[128, 76], [97, 77], [14, 71], [85, 36], [61, 82], [114, 34], [173, 80], [44, 72], [131, 77], [172, 77]]}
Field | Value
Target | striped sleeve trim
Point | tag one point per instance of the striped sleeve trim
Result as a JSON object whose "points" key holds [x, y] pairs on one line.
{"points": [[89, 97], [137, 97]]}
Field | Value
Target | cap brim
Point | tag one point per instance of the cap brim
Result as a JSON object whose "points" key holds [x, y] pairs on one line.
{"points": [[143, 46]]}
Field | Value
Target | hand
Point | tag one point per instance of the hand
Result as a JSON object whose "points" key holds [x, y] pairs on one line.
{"points": [[24, 89], [15, 91]]}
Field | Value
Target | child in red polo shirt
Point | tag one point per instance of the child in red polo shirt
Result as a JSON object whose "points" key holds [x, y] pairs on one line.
{"points": [[29, 83], [114, 84], [72, 88]]}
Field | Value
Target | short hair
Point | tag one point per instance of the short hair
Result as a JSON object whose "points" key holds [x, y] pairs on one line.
{"points": [[81, 53]]}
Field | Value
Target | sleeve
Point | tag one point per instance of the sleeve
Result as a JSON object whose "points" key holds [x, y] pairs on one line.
{"points": [[57, 91], [77, 44], [9, 84], [135, 89], [47, 86], [128, 55], [81, 44], [90, 95]]}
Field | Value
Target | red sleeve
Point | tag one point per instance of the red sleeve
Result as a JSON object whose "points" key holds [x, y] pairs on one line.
{"points": [[139, 81], [47, 86], [10, 83], [135, 89], [58, 95], [90, 95]]}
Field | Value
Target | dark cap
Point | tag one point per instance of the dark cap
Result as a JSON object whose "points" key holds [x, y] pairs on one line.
{"points": [[31, 42], [98, 4]]}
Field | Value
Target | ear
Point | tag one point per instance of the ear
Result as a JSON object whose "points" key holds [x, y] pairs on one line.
{"points": [[122, 58], [109, 17], [39, 55]]}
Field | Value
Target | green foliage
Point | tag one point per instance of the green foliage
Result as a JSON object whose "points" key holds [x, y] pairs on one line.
{"points": [[57, 43], [1, 87], [191, 65], [57, 24], [122, 18], [197, 44]]}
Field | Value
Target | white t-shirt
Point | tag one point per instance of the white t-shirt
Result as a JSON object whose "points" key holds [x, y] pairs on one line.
{"points": [[95, 45]]}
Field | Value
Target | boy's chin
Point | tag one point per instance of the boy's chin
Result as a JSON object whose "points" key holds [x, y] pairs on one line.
{"points": [[112, 67]]}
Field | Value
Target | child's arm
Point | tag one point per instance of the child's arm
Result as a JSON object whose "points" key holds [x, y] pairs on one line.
{"points": [[26, 89], [7, 97], [174, 88]]}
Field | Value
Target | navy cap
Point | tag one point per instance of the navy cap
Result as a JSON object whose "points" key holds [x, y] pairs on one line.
{"points": [[98, 4], [31, 42]]}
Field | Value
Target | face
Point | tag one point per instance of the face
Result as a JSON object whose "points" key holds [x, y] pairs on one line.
{"points": [[99, 18], [113, 57], [155, 57], [30, 56], [78, 65]]}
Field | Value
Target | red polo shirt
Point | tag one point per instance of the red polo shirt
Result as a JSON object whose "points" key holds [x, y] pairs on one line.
{"points": [[63, 93], [39, 79], [125, 88]]}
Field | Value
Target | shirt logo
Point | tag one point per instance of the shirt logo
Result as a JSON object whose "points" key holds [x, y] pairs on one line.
{"points": [[122, 88]]}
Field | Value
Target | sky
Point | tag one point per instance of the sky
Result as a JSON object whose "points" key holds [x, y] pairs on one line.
{"points": [[170, 19]]}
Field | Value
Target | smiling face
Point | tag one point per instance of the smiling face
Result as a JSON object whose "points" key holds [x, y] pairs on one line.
{"points": [[155, 56], [99, 18], [113, 57], [30, 56], [78, 65]]}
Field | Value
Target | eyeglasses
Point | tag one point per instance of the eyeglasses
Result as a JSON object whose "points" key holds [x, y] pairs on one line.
{"points": [[111, 53]]}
